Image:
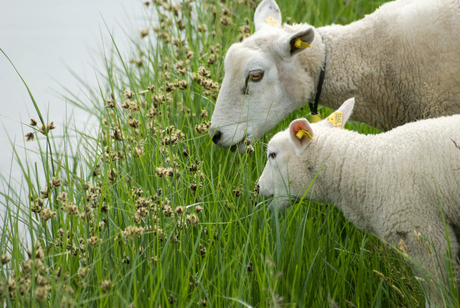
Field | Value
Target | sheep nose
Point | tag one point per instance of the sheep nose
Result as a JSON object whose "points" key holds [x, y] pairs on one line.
{"points": [[216, 137]]}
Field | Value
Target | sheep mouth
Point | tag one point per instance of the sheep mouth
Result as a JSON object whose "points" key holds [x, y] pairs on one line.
{"points": [[240, 146], [282, 202]]}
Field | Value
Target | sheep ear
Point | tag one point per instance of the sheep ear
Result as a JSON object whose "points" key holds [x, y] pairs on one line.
{"points": [[301, 135], [341, 115], [267, 13], [293, 43]]}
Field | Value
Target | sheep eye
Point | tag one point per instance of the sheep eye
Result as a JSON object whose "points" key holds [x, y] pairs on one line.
{"points": [[272, 155], [256, 75]]}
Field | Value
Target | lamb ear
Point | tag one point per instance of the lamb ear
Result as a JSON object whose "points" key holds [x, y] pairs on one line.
{"points": [[267, 13], [293, 43], [341, 115], [297, 129]]}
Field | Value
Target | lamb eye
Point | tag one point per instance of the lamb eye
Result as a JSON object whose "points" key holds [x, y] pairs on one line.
{"points": [[272, 155], [256, 75]]}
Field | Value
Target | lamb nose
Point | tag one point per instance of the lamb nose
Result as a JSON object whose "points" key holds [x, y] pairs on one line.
{"points": [[216, 137]]}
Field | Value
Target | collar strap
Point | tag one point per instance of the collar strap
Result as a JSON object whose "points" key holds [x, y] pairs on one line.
{"points": [[314, 116], [314, 106]]}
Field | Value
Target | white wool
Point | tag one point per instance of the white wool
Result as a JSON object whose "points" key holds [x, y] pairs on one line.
{"points": [[389, 184], [401, 63]]}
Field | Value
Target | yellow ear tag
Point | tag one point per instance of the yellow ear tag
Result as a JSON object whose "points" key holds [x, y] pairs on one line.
{"points": [[301, 44], [336, 118], [315, 118], [302, 133], [272, 21]]}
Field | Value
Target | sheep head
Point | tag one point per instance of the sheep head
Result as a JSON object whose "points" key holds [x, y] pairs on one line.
{"points": [[292, 158], [265, 78]]}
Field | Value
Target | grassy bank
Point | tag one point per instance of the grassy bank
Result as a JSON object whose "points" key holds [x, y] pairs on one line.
{"points": [[148, 212]]}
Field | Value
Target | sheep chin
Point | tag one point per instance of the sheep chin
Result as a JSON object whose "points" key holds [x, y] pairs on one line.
{"points": [[281, 203], [240, 146]]}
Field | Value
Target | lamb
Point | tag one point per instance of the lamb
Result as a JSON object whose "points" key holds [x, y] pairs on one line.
{"points": [[401, 63], [390, 184]]}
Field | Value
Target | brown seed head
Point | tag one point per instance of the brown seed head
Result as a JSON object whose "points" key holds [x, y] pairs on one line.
{"points": [[117, 134], [181, 24], [41, 281], [176, 9], [106, 285], [143, 212], [93, 241], [5, 259], [125, 105], [62, 197], [225, 21], [41, 293], [179, 210], [30, 136], [167, 211], [44, 193], [56, 182], [144, 33], [211, 59], [82, 272], [47, 214], [40, 202], [179, 65], [192, 219], [43, 130], [128, 94], [110, 103], [50, 126], [39, 253]]}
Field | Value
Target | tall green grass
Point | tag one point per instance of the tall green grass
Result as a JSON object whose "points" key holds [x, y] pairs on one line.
{"points": [[147, 212]]}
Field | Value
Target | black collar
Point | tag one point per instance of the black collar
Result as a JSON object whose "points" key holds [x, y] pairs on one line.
{"points": [[314, 106]]}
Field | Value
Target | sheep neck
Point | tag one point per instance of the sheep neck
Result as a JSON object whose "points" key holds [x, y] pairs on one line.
{"points": [[343, 177], [351, 69]]}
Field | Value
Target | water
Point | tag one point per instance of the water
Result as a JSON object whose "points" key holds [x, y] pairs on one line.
{"points": [[44, 39]]}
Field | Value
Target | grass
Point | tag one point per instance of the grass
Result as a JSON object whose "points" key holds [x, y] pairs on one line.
{"points": [[147, 212]]}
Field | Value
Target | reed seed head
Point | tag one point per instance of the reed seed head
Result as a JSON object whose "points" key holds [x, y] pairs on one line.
{"points": [[30, 136], [5, 259]]}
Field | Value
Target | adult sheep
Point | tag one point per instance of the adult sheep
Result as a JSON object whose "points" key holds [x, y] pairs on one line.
{"points": [[401, 63], [392, 184]]}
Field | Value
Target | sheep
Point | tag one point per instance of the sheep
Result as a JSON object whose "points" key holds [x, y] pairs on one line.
{"points": [[401, 63], [390, 184]]}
